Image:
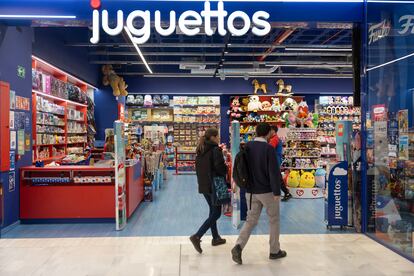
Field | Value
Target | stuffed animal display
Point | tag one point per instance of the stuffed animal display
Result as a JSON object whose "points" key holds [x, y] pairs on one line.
{"points": [[116, 82]]}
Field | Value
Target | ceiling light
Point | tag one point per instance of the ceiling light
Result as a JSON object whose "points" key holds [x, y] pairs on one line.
{"points": [[36, 16], [320, 49], [138, 50], [226, 52], [222, 59]]}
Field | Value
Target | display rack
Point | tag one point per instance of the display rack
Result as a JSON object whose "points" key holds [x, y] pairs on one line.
{"points": [[302, 158], [185, 158], [330, 110], [192, 116], [272, 111], [59, 113]]}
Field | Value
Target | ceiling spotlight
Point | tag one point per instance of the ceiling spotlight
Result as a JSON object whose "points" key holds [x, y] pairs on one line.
{"points": [[221, 64], [222, 59], [226, 52], [246, 77], [222, 77]]}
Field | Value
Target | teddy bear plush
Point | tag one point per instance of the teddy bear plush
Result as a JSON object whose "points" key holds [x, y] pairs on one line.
{"points": [[116, 82], [254, 104]]}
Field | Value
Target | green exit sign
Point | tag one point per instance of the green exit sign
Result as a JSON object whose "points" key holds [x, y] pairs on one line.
{"points": [[21, 72]]}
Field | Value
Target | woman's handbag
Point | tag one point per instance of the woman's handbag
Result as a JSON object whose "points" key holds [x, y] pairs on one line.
{"points": [[220, 191]]}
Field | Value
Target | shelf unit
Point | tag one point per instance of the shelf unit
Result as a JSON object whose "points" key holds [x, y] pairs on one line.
{"points": [[184, 158], [52, 111], [330, 110], [192, 116], [247, 129]]}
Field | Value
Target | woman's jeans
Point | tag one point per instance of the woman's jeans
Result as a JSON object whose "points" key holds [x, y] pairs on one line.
{"points": [[211, 221]]}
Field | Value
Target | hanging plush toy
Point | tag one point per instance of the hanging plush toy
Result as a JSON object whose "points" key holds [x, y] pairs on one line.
{"points": [[235, 109], [276, 107], [116, 82], [254, 104]]}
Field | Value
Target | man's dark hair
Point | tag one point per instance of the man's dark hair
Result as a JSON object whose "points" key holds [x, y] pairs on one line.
{"points": [[262, 129], [275, 128]]}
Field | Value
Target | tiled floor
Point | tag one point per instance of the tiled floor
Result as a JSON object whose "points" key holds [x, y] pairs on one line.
{"points": [[339, 254], [178, 210]]}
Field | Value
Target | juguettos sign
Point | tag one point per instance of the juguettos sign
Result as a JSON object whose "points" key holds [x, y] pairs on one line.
{"points": [[189, 22]]}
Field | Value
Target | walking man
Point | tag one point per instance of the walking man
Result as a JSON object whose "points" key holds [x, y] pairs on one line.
{"points": [[264, 191]]}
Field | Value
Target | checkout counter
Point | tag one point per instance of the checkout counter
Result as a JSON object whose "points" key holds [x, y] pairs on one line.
{"points": [[76, 192]]}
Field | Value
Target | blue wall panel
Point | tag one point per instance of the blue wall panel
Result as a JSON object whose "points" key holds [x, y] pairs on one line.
{"points": [[233, 86], [15, 50], [49, 44]]}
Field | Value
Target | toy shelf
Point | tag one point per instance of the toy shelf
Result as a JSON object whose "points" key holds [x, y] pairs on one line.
{"points": [[180, 162], [53, 112]]}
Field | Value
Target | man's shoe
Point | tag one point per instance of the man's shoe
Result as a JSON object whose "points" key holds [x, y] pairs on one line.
{"points": [[219, 241], [236, 254], [279, 255], [287, 197], [196, 241]]}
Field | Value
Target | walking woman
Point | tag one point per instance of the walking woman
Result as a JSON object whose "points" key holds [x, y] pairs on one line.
{"points": [[209, 163]]}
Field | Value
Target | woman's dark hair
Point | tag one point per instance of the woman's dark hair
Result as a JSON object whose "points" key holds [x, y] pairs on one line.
{"points": [[262, 129], [211, 132]]}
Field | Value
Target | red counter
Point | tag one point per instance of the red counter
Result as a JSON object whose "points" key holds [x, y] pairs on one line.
{"points": [[75, 192]]}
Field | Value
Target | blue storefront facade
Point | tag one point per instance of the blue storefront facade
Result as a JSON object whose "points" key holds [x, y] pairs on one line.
{"points": [[386, 90]]}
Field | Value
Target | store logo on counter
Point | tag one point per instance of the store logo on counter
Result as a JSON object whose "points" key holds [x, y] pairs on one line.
{"points": [[189, 22], [379, 31]]}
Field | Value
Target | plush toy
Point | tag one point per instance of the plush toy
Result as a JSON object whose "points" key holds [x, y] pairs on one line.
{"points": [[130, 100], [309, 121], [266, 106], [258, 87], [254, 104], [307, 179], [303, 110], [147, 100], [276, 107], [244, 104], [320, 178], [235, 108], [351, 100], [289, 104], [283, 90], [315, 119], [292, 119], [293, 179], [165, 100], [116, 82]]}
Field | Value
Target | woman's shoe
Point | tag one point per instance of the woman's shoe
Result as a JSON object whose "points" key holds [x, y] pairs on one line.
{"points": [[219, 241], [196, 241]]}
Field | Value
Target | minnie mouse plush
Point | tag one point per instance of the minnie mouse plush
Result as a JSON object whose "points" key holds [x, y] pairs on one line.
{"points": [[235, 108]]}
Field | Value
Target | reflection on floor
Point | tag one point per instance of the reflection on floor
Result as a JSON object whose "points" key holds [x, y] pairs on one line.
{"points": [[178, 210], [307, 255]]}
